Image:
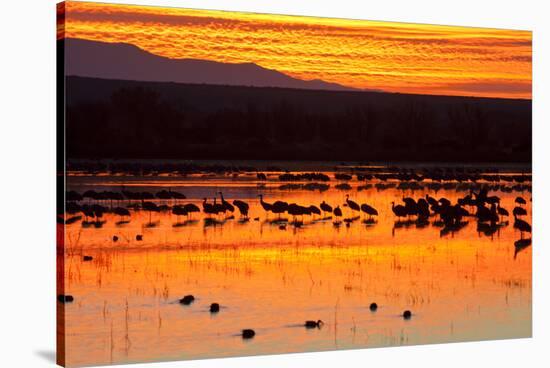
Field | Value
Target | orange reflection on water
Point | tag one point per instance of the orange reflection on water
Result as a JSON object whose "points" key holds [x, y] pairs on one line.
{"points": [[463, 286]]}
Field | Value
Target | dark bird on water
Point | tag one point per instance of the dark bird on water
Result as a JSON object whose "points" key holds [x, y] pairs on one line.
{"points": [[373, 307], [485, 214], [65, 298], [115, 238], [353, 205], [399, 210], [266, 206], [188, 299], [431, 200], [177, 195], [369, 210], [179, 211], [242, 206], [248, 333], [444, 201], [208, 208], [325, 207], [407, 314], [150, 207], [139, 237], [314, 210], [502, 211], [87, 258], [337, 211], [72, 208], [191, 208], [279, 207], [121, 211], [314, 324], [214, 308], [519, 211], [520, 201], [522, 226], [520, 245], [410, 206], [163, 194], [228, 206], [218, 207]]}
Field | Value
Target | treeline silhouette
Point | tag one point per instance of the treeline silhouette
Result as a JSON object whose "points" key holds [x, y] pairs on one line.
{"points": [[129, 119]]}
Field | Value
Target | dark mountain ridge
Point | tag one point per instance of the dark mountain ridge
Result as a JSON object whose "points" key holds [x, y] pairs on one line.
{"points": [[128, 62]]}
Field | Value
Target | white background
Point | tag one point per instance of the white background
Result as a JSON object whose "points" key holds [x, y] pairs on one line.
{"points": [[27, 179]]}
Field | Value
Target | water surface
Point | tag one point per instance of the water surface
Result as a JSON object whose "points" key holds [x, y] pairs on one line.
{"points": [[459, 286]]}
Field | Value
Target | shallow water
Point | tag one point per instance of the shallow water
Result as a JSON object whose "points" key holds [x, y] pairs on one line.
{"points": [[459, 287]]}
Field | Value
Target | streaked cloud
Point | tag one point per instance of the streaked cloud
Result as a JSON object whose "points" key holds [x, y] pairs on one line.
{"points": [[395, 57]]}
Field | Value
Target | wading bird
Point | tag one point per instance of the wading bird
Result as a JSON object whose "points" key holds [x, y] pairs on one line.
{"points": [[191, 208], [519, 211], [399, 210], [279, 207], [314, 210], [227, 206], [351, 204], [122, 212], [242, 206], [326, 207], [266, 206], [522, 226], [520, 201], [208, 208], [369, 210], [314, 324], [502, 211], [150, 207], [338, 214]]}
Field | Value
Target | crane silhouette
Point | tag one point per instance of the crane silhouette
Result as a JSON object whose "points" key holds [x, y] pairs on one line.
{"points": [[178, 211], [122, 212], [208, 208], [279, 207], [519, 211], [314, 210], [150, 207], [228, 206], [352, 205], [338, 214], [522, 226], [399, 210], [502, 211], [369, 210], [520, 201], [242, 206], [325, 207], [266, 206], [191, 208]]}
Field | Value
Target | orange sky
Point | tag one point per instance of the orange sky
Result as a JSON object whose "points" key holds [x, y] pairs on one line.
{"points": [[395, 57]]}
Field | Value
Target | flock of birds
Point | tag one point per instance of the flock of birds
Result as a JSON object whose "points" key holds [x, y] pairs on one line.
{"points": [[485, 208], [451, 217], [246, 333]]}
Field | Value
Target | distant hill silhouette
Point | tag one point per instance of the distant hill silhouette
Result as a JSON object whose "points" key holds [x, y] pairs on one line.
{"points": [[128, 62]]}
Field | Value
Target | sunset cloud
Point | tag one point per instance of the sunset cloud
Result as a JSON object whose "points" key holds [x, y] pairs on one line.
{"points": [[395, 57]]}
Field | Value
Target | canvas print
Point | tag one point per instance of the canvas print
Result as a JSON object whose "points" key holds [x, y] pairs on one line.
{"points": [[234, 184]]}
